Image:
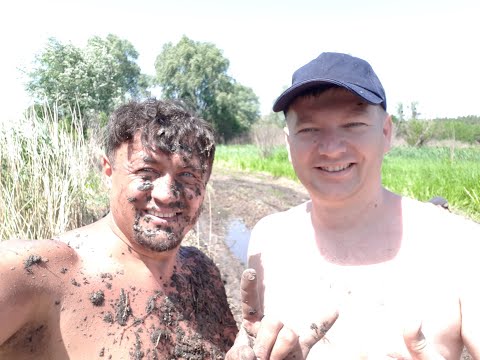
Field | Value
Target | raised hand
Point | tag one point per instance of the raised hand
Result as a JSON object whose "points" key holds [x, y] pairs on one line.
{"points": [[264, 338]]}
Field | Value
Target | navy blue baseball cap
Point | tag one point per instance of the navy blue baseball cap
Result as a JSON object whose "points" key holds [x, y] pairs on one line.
{"points": [[335, 69]]}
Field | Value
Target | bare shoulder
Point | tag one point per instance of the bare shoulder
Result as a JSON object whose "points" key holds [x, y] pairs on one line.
{"points": [[433, 217], [31, 281], [283, 219], [435, 230], [78, 238], [34, 264], [27, 254], [280, 225]]}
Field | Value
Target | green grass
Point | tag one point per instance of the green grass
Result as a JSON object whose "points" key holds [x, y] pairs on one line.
{"points": [[249, 158], [427, 172], [420, 173]]}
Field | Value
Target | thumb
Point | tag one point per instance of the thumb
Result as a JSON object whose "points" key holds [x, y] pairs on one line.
{"points": [[417, 345]]}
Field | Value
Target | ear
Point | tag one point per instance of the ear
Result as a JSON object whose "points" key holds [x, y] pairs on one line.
{"points": [[387, 133], [107, 168], [287, 142]]}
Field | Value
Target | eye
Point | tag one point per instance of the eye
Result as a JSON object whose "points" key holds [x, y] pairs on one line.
{"points": [[354, 125], [147, 173], [187, 174], [306, 130]]}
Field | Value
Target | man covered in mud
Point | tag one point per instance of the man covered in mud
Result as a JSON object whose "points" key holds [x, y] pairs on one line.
{"points": [[357, 272], [124, 287]]}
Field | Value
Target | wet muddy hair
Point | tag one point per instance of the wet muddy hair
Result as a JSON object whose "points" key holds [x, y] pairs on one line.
{"points": [[164, 125]]}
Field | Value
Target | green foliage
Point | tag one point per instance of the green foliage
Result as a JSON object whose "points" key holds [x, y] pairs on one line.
{"points": [[96, 78], [427, 172], [418, 132], [464, 129], [420, 173], [251, 158], [196, 73], [415, 132], [48, 182], [274, 118]]}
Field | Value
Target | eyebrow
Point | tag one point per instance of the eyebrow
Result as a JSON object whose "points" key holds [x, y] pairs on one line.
{"points": [[193, 167], [303, 119], [148, 159]]}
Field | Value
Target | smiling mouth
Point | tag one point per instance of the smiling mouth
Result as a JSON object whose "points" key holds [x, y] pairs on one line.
{"points": [[337, 168], [163, 215]]}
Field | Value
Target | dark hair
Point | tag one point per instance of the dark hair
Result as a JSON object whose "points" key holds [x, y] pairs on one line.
{"points": [[164, 125], [310, 92]]}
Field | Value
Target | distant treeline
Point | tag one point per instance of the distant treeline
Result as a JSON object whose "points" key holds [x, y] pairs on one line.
{"points": [[418, 132]]}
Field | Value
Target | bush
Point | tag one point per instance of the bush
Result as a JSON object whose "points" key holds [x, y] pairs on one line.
{"points": [[416, 132], [267, 137]]}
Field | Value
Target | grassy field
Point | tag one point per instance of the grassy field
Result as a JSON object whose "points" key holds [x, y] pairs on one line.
{"points": [[420, 173]]}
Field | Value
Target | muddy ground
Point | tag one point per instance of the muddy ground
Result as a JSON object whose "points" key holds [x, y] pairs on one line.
{"points": [[247, 198]]}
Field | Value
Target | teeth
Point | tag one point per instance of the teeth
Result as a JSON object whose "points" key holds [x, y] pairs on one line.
{"points": [[335, 168], [160, 214]]}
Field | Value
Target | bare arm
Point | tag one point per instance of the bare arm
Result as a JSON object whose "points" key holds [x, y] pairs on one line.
{"points": [[27, 282]]}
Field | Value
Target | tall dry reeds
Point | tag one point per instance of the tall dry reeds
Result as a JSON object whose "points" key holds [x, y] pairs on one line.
{"points": [[49, 182]]}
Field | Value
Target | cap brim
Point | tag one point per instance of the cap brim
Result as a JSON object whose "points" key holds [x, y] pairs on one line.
{"points": [[283, 101]]}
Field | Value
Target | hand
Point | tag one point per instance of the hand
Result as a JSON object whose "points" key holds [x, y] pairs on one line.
{"points": [[417, 345], [265, 338]]}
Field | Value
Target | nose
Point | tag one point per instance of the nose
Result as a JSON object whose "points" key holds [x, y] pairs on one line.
{"points": [[330, 142], [164, 189]]}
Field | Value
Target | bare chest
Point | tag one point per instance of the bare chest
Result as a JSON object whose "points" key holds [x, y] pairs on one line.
{"points": [[116, 315], [374, 302], [125, 318]]}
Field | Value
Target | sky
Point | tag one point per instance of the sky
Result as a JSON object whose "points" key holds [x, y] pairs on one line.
{"points": [[423, 51]]}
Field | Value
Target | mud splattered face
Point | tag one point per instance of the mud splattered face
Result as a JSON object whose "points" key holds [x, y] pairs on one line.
{"points": [[156, 197]]}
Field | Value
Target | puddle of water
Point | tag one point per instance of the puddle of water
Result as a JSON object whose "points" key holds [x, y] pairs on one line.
{"points": [[237, 239]]}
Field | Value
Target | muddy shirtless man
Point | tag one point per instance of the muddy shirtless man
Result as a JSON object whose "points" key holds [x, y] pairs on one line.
{"points": [[123, 287], [358, 272]]}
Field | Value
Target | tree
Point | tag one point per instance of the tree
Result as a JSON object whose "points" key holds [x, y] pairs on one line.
{"points": [[93, 79], [400, 113], [414, 109], [196, 73]]}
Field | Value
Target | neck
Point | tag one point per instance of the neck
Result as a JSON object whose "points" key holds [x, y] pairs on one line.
{"points": [[349, 214], [160, 264], [358, 231]]}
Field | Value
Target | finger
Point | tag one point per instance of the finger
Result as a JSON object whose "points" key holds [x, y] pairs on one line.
{"points": [[250, 300], [266, 337], [417, 345], [241, 352], [287, 341], [316, 332], [241, 349]]}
